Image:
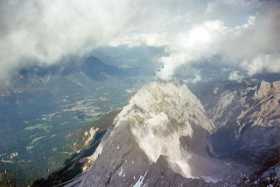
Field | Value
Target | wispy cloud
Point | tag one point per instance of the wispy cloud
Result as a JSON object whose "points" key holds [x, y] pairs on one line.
{"points": [[241, 31]]}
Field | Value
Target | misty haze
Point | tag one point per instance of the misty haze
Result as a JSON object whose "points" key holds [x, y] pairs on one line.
{"points": [[140, 93]]}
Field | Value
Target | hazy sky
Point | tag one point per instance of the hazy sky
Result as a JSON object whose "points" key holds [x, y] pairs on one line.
{"points": [[243, 32]]}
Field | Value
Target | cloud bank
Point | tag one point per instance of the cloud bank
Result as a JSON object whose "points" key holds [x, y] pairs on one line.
{"points": [[243, 32]]}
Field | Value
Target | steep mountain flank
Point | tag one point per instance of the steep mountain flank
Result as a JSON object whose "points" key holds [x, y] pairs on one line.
{"points": [[162, 133], [247, 119]]}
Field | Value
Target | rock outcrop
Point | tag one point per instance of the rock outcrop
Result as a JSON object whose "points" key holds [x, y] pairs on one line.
{"points": [[247, 118]]}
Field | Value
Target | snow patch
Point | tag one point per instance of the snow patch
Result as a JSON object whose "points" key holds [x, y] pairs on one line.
{"points": [[140, 181]]}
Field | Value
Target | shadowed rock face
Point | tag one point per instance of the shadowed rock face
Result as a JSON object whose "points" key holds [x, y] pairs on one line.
{"points": [[253, 129], [247, 119], [120, 162]]}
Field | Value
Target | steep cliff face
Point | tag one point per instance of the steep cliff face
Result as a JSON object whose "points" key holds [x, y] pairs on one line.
{"points": [[247, 118], [160, 138]]}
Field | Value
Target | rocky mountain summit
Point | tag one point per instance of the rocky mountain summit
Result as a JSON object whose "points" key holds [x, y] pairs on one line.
{"points": [[166, 136], [162, 127]]}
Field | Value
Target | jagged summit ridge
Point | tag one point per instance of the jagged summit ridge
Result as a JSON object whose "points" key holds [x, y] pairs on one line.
{"points": [[160, 115], [174, 100]]}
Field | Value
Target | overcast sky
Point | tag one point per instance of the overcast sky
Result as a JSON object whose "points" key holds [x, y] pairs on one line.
{"points": [[243, 32]]}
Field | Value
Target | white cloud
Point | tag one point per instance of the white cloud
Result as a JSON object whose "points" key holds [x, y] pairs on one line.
{"points": [[253, 45], [199, 41], [46, 31], [243, 32], [235, 76], [262, 63]]}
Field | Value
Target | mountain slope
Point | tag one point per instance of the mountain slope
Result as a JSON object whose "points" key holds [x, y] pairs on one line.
{"points": [[163, 131], [247, 118]]}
